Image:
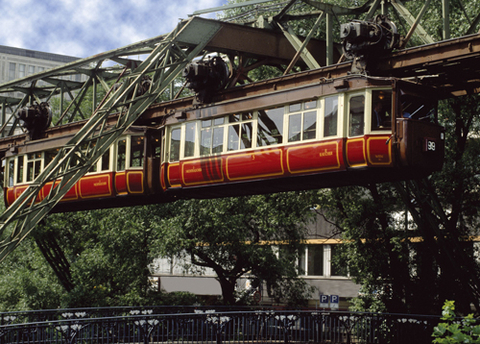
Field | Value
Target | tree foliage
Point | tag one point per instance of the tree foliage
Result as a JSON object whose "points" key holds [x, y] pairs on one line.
{"points": [[408, 243], [234, 237], [454, 330]]}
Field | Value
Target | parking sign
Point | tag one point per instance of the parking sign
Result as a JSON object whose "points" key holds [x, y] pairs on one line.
{"points": [[334, 301], [324, 301]]}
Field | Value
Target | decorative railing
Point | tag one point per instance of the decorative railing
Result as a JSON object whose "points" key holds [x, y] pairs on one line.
{"points": [[202, 326]]}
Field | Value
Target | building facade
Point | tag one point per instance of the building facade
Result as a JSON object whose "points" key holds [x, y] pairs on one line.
{"points": [[16, 63], [316, 265]]}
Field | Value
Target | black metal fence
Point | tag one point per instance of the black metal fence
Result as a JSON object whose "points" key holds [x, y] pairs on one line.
{"points": [[202, 326]]}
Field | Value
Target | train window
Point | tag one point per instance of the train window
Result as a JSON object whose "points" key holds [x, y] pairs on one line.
{"points": [[356, 116], [331, 116], [136, 151], [416, 108], [294, 127], [175, 144], [11, 169], [382, 104], [121, 154], [105, 161], [310, 105], [211, 136], [294, 107], [34, 165], [190, 133], [50, 155], [309, 125], [270, 127], [19, 169], [302, 126], [239, 134]]}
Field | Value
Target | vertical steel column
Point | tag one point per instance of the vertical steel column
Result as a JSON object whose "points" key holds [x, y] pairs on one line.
{"points": [[329, 31], [446, 19]]}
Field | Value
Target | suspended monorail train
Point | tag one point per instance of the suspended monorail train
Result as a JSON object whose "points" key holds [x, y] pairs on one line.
{"points": [[353, 130]]}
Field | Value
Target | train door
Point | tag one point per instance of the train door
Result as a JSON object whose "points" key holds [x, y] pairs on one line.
{"points": [[170, 170], [355, 152], [153, 154], [130, 158]]}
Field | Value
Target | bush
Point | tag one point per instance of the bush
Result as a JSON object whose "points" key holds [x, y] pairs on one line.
{"points": [[456, 330]]}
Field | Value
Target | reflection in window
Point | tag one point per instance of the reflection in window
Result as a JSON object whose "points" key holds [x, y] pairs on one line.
{"points": [[211, 136], [121, 154], [381, 111], [190, 130], [136, 151], [270, 127], [294, 127], [34, 164], [239, 134], [106, 160], [19, 169], [11, 166], [175, 144], [417, 108], [309, 125], [356, 123], [331, 116]]}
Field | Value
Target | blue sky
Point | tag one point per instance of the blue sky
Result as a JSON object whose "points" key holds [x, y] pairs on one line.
{"points": [[84, 28]]}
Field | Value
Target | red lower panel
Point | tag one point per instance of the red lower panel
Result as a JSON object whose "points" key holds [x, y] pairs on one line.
{"points": [[163, 182], [9, 195], [174, 176], [314, 157], [96, 186], [252, 165], [120, 183], [71, 195], [135, 182], [202, 171], [378, 152], [355, 152]]}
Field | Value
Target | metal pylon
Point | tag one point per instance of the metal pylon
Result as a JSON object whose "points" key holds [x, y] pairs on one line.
{"points": [[168, 58]]}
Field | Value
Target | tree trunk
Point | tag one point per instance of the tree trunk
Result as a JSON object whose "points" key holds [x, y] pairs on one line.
{"points": [[228, 290]]}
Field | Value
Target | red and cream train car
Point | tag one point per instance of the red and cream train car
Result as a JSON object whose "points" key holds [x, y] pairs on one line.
{"points": [[352, 131]]}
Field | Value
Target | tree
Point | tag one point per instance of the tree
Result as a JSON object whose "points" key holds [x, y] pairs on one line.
{"points": [[413, 263], [234, 237]]}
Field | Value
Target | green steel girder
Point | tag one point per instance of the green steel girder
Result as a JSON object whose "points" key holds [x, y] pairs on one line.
{"points": [[168, 58]]}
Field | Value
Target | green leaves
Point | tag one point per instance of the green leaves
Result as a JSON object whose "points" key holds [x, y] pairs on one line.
{"points": [[234, 237], [456, 330]]}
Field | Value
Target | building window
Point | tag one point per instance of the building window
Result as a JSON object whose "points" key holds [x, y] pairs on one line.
{"points": [[11, 71], [21, 70], [315, 260]]}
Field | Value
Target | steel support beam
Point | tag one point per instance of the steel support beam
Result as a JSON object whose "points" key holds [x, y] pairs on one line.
{"points": [[166, 61]]}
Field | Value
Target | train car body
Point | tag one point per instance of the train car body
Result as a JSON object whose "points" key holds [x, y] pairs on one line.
{"points": [[349, 131]]}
